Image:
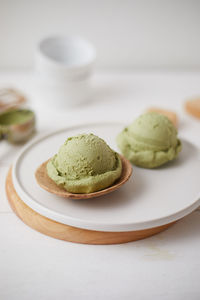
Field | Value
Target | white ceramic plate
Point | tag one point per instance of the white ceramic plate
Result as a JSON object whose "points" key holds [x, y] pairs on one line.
{"points": [[150, 198]]}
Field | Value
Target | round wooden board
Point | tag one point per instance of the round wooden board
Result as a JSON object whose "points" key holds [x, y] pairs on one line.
{"points": [[69, 233]]}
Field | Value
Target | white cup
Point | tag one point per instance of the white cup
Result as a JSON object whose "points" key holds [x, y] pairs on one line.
{"points": [[63, 69]]}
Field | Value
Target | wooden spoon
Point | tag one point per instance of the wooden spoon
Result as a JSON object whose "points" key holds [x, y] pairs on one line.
{"points": [[49, 185]]}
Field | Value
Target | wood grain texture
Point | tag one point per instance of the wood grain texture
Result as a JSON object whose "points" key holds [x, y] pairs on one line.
{"points": [[69, 233], [49, 185]]}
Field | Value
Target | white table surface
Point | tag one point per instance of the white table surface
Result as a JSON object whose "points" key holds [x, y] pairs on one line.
{"points": [[166, 266]]}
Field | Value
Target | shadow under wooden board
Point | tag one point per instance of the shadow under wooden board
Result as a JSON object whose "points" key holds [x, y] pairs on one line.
{"points": [[69, 233]]}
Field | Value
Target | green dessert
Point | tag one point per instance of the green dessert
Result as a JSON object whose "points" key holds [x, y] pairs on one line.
{"points": [[84, 164], [17, 125], [150, 141], [15, 117]]}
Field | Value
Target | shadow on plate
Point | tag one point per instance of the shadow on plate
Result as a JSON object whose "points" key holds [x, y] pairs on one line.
{"points": [[128, 192], [188, 151]]}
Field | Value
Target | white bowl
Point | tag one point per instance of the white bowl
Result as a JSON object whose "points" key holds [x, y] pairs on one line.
{"points": [[67, 57], [63, 69]]}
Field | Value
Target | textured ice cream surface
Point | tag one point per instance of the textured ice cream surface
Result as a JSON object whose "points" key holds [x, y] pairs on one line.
{"points": [[150, 141], [84, 164]]}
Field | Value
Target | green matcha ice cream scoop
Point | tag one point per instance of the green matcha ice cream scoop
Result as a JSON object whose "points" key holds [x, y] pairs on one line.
{"points": [[84, 164], [150, 141]]}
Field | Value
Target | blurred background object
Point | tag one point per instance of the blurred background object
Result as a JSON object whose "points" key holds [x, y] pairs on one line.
{"points": [[63, 68], [192, 107], [17, 124], [130, 33], [10, 99]]}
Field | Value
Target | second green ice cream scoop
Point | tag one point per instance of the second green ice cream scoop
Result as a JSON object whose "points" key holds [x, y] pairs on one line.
{"points": [[150, 141], [84, 164]]}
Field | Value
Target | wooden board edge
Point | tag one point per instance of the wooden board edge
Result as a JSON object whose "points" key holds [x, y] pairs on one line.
{"points": [[69, 233]]}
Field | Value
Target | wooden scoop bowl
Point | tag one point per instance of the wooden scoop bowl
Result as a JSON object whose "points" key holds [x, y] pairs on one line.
{"points": [[49, 185]]}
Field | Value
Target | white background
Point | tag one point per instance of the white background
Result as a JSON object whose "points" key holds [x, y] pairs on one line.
{"points": [[126, 34]]}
